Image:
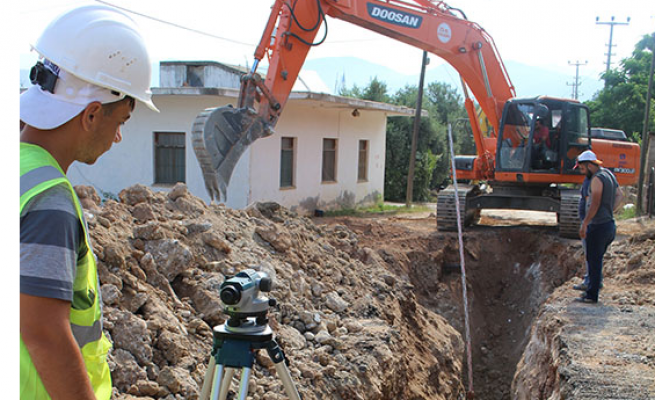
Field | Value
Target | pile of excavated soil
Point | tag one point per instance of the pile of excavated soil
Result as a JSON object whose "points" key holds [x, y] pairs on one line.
{"points": [[604, 350], [350, 328]]}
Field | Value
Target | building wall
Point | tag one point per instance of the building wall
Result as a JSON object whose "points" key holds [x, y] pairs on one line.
{"points": [[132, 161], [309, 125], [257, 174]]}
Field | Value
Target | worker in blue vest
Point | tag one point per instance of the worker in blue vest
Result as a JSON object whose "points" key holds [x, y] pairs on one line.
{"points": [[598, 228], [92, 69]]}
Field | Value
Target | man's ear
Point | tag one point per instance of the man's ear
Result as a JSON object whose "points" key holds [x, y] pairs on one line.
{"points": [[90, 116]]}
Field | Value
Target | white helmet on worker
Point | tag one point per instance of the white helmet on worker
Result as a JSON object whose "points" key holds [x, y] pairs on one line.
{"points": [[587, 156], [91, 53]]}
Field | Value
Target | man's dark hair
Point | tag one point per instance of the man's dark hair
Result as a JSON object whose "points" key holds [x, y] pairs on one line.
{"points": [[108, 108]]}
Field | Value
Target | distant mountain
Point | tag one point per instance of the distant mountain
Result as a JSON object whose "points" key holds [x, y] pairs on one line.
{"points": [[528, 80]]}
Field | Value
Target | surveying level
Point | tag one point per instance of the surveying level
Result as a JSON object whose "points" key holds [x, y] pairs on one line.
{"points": [[247, 331]]}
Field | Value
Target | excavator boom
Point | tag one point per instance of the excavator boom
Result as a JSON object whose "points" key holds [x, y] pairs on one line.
{"points": [[290, 33]]}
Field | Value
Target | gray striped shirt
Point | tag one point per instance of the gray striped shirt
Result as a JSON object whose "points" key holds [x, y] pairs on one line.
{"points": [[51, 241]]}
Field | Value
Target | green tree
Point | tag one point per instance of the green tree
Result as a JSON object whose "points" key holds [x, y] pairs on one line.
{"points": [[375, 91], [432, 168], [445, 103], [620, 104]]}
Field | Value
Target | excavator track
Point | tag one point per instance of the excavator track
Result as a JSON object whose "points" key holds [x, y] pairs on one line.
{"points": [[447, 211], [569, 221]]}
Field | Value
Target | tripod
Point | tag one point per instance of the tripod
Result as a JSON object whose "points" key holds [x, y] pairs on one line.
{"points": [[234, 348]]}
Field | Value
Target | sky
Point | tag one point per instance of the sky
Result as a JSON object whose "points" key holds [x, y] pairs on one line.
{"points": [[550, 34]]}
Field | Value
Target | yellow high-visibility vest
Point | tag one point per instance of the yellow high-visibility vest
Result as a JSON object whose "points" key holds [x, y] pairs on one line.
{"points": [[39, 171]]}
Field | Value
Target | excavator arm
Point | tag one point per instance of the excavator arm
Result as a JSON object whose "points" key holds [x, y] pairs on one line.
{"points": [[221, 135]]}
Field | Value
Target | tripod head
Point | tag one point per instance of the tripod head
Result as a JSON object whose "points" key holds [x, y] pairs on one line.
{"points": [[244, 301]]}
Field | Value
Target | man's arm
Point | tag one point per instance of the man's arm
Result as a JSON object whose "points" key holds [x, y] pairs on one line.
{"points": [[46, 332], [595, 194]]}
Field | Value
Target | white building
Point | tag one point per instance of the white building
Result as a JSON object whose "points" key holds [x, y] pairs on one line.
{"points": [[327, 151]]}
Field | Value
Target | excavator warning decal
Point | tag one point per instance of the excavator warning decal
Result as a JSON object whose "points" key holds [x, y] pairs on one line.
{"points": [[394, 16]]}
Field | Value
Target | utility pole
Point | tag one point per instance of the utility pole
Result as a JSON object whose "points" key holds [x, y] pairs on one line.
{"points": [[645, 136], [417, 122], [576, 84], [610, 45]]}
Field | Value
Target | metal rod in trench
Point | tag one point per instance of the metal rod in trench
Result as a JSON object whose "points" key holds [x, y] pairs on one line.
{"points": [[463, 267]]}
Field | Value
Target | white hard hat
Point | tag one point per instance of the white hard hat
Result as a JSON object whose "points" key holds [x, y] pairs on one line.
{"points": [[98, 45], [587, 156]]}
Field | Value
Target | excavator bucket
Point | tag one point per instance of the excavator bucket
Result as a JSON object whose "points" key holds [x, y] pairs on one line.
{"points": [[219, 137]]}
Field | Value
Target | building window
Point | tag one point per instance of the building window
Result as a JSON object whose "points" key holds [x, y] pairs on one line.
{"points": [[329, 173], [170, 163], [362, 163], [287, 156]]}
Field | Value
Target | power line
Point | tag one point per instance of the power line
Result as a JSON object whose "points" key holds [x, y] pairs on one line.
{"points": [[220, 37], [174, 24]]}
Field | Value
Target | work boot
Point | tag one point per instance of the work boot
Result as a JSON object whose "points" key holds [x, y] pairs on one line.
{"points": [[583, 287]]}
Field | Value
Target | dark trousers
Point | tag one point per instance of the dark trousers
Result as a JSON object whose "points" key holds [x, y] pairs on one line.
{"points": [[599, 237]]}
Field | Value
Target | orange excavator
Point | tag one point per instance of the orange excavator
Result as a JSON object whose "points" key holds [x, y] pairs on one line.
{"points": [[525, 155]]}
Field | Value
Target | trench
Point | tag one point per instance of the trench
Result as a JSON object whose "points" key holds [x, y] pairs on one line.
{"points": [[510, 273]]}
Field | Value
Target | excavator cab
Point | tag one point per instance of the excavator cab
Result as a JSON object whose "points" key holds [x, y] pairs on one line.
{"points": [[542, 136]]}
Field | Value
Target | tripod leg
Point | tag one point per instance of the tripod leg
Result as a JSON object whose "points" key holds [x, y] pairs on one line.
{"points": [[225, 384], [217, 381], [277, 356], [243, 385], [207, 383], [285, 377]]}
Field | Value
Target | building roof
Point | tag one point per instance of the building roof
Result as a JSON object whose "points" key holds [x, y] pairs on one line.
{"points": [[326, 100]]}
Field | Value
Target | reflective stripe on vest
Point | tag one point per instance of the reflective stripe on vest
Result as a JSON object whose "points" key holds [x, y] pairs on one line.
{"points": [[39, 172], [87, 334], [37, 176]]}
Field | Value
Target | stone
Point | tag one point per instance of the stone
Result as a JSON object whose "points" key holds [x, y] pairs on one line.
{"points": [[135, 194], [278, 238], [148, 231], [171, 256], [110, 294], [213, 240], [88, 197], [177, 380], [125, 369], [131, 333], [143, 212], [180, 189], [335, 303]]}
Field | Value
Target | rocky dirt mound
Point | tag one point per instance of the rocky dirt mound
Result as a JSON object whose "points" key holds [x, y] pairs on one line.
{"points": [[350, 328], [604, 350]]}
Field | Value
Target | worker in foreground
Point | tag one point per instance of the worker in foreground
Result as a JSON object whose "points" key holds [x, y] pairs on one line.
{"points": [[93, 66], [598, 228]]}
